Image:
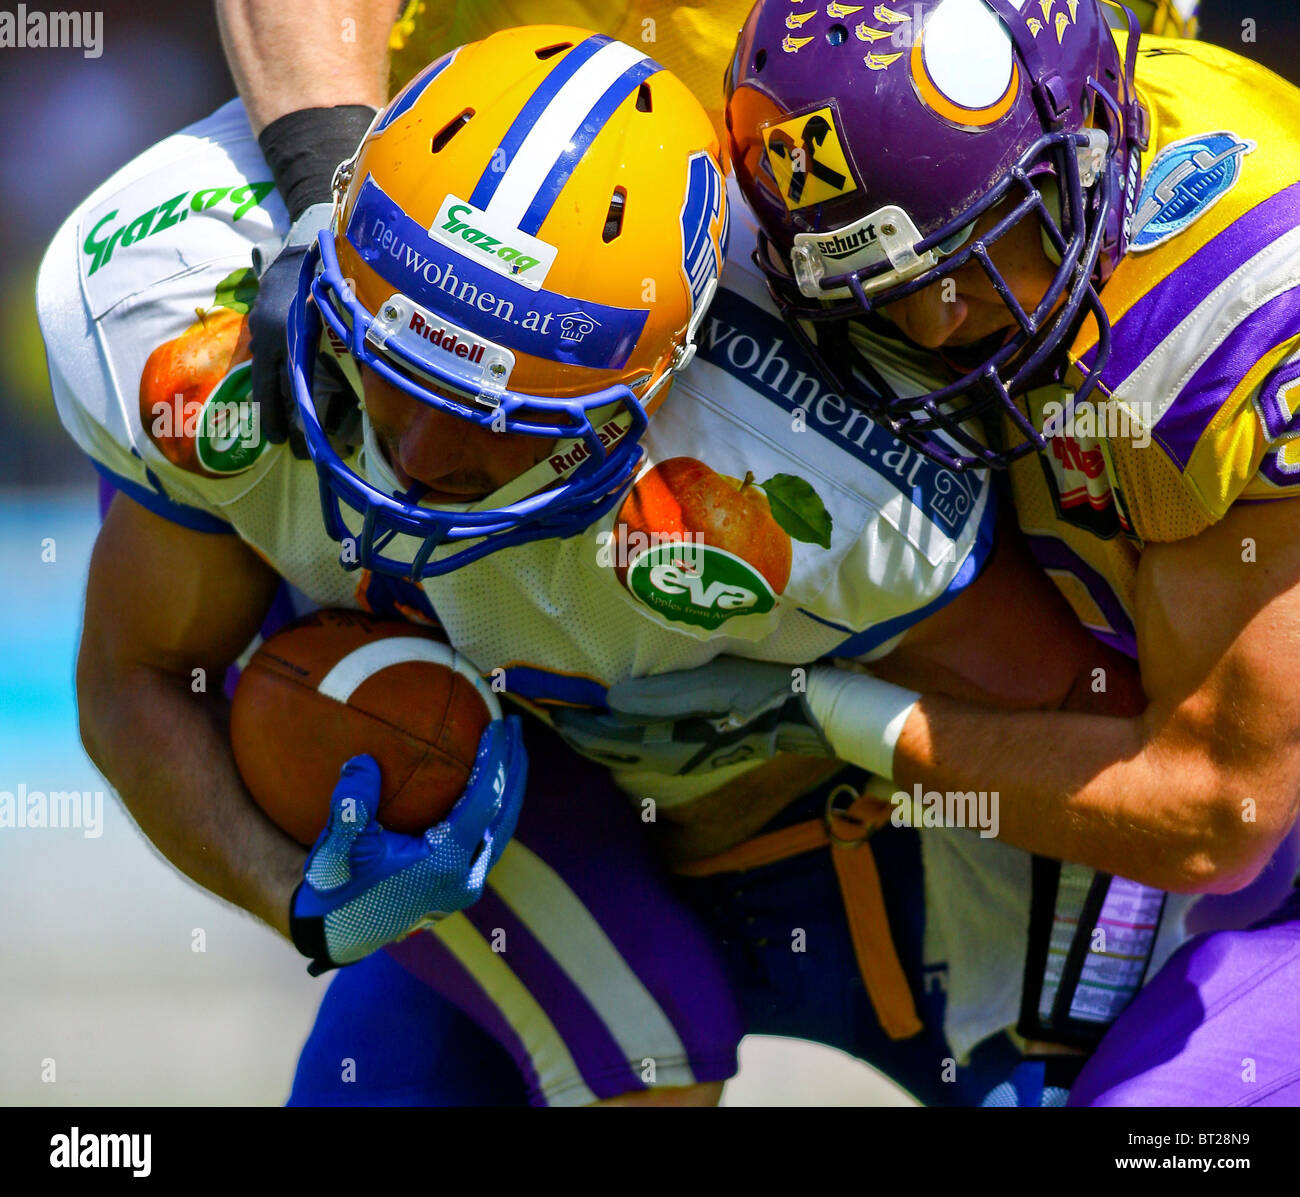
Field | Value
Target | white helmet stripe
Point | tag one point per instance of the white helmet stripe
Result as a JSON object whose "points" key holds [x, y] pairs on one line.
{"points": [[555, 128]]}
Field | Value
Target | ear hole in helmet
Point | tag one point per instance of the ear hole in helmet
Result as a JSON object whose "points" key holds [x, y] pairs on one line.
{"points": [[614, 220], [643, 99], [551, 51], [760, 61], [837, 35], [449, 130]]}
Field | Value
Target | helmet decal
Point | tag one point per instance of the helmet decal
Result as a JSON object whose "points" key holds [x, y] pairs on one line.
{"points": [[510, 252], [704, 231], [555, 129], [893, 33], [1059, 21], [808, 159], [403, 253], [887, 16], [963, 64]]}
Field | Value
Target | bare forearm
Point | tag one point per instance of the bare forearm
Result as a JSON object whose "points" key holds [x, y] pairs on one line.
{"points": [[166, 752], [294, 54], [1131, 796]]}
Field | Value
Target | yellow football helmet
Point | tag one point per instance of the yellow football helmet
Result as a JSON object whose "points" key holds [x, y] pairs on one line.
{"points": [[528, 238]]}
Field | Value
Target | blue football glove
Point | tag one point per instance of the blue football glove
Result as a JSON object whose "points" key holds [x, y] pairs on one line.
{"points": [[365, 887], [697, 720]]}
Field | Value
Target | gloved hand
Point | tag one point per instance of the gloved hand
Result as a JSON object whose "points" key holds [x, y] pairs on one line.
{"points": [[278, 264], [365, 887], [698, 720], [733, 710]]}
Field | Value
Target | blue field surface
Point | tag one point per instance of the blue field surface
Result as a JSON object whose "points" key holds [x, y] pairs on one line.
{"points": [[41, 621]]}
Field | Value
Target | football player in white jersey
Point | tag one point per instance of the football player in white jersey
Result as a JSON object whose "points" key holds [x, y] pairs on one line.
{"points": [[520, 265]]}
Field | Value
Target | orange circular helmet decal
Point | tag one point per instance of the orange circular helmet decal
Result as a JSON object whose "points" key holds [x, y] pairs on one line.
{"points": [[930, 94]]}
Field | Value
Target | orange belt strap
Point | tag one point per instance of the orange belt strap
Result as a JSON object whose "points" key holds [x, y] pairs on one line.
{"points": [[846, 833]]}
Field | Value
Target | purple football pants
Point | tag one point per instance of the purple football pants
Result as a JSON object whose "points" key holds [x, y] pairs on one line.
{"points": [[1219, 1025]]}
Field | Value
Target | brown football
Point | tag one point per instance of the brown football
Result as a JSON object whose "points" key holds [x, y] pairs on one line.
{"points": [[338, 683]]}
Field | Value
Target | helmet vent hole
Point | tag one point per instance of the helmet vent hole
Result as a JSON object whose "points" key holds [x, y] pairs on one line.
{"points": [[551, 51], [643, 101], [614, 219], [760, 61], [449, 130], [837, 35]]}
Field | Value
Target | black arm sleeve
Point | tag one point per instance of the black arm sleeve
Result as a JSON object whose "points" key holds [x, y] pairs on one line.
{"points": [[303, 149]]}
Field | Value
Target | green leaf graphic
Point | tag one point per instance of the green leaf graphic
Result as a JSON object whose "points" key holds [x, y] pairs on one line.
{"points": [[237, 291], [798, 509]]}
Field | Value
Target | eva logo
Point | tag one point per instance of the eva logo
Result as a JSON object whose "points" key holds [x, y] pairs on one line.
{"points": [[1184, 182], [720, 546], [509, 251], [228, 437], [698, 584]]}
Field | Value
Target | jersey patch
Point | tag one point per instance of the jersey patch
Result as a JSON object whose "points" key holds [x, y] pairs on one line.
{"points": [[196, 388], [1184, 182], [700, 547], [1076, 469], [1278, 408]]}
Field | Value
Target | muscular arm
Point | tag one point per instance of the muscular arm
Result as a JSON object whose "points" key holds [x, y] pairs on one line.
{"points": [[163, 601], [1193, 792], [292, 54], [1008, 640]]}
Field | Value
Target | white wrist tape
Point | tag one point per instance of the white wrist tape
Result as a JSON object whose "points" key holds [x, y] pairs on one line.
{"points": [[860, 716]]}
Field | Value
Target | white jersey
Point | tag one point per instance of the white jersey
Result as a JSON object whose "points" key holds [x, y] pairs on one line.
{"points": [[819, 534]]}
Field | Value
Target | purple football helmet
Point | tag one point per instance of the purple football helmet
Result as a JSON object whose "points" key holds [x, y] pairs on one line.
{"points": [[870, 139]]}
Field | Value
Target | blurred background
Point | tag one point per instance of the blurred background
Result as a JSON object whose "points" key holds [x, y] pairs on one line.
{"points": [[98, 975]]}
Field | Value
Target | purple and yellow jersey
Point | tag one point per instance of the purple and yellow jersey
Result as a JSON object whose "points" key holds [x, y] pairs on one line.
{"points": [[693, 40], [1198, 406]]}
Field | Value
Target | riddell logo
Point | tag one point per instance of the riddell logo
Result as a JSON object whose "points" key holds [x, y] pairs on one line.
{"points": [[471, 351]]}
